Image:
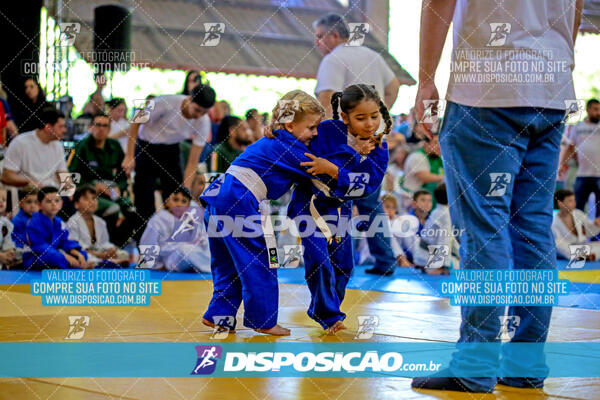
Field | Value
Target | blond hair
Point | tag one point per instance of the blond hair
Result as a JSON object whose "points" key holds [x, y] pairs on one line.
{"points": [[303, 104], [391, 198]]}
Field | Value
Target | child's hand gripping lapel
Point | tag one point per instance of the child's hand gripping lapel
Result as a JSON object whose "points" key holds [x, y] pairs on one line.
{"points": [[320, 165], [364, 146]]}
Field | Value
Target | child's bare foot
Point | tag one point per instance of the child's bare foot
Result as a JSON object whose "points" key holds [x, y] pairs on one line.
{"points": [[212, 325], [338, 326], [275, 331]]}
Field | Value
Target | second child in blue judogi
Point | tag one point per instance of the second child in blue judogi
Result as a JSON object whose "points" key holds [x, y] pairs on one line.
{"points": [[353, 145], [244, 260], [28, 205], [48, 237]]}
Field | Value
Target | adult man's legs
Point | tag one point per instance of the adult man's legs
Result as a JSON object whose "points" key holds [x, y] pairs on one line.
{"points": [[482, 150], [144, 183], [154, 160], [532, 241]]}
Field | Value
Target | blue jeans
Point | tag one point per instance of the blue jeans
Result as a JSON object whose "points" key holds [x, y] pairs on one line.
{"points": [[584, 186], [505, 222], [379, 245]]}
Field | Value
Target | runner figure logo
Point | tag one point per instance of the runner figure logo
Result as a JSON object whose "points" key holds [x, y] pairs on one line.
{"points": [[68, 32], [433, 110], [189, 220], [207, 359], [212, 34], [143, 108], [358, 183], [292, 255], [286, 111], [499, 183], [358, 33], [437, 255], [508, 326], [214, 185], [223, 325], [573, 111], [366, 326], [499, 33], [148, 255], [68, 183], [77, 325], [579, 254]]}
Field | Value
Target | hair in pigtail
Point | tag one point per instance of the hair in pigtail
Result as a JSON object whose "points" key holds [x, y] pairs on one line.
{"points": [[389, 123], [335, 104]]}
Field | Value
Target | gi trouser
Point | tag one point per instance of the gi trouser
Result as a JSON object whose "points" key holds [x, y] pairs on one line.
{"points": [[240, 266], [328, 266]]}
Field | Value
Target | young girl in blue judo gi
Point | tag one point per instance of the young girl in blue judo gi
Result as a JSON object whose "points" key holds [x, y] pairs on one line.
{"points": [[328, 257], [244, 259]]}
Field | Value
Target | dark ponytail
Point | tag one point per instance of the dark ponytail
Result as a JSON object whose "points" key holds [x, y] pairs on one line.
{"points": [[335, 104], [389, 123]]}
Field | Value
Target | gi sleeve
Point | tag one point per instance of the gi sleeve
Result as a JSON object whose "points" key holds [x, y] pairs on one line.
{"points": [[42, 249], [369, 171]]}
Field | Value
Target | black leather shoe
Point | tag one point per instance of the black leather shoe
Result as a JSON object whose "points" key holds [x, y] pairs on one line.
{"points": [[524, 383], [444, 383]]}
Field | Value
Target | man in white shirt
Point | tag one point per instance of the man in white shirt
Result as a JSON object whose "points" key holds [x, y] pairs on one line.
{"points": [[155, 153], [344, 65], [510, 80], [583, 139], [36, 157]]}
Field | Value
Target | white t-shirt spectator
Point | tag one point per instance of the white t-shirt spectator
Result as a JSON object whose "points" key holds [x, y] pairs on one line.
{"points": [[29, 156], [416, 162], [117, 126], [349, 65], [585, 137], [512, 35], [167, 125]]}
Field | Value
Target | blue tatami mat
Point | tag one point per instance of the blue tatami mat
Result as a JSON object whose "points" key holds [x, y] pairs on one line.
{"points": [[404, 281]]}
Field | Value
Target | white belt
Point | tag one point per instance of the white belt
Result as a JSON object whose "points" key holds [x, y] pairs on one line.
{"points": [[250, 179], [268, 232], [321, 224], [257, 187], [322, 187]]}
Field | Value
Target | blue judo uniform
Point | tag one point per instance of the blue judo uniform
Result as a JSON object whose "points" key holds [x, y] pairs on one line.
{"points": [[46, 238], [329, 263], [240, 264], [19, 235]]}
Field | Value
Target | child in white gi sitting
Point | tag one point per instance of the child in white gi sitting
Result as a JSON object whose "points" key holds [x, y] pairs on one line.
{"points": [[91, 232], [570, 226], [179, 234]]}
